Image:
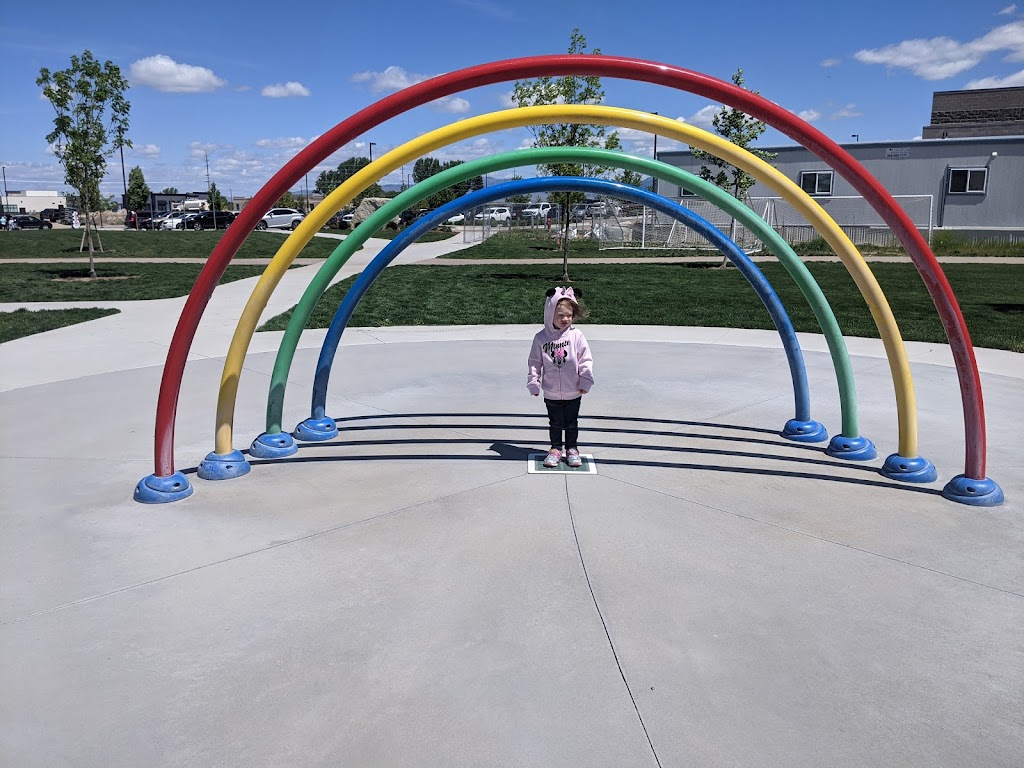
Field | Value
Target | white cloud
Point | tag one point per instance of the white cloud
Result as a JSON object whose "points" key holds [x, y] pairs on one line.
{"points": [[285, 142], [830, 63], [163, 73], [702, 117], [146, 150], [506, 100], [1010, 81], [850, 110], [942, 57], [453, 105], [391, 79], [279, 91], [809, 115], [1008, 10]]}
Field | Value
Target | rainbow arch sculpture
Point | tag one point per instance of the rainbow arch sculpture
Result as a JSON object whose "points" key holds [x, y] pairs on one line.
{"points": [[972, 486]]}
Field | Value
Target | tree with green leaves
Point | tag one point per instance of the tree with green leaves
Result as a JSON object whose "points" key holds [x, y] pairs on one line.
{"points": [[217, 201], [570, 89], [328, 181], [89, 127], [287, 200], [169, 191], [740, 129], [139, 194], [426, 167]]}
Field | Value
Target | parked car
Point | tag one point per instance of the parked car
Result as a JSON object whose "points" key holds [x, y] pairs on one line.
{"points": [[211, 220], [536, 210], [281, 217], [50, 214], [495, 214], [154, 222], [177, 220], [67, 216], [31, 222], [458, 218]]}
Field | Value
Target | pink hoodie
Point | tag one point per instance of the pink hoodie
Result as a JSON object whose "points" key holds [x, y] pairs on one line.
{"points": [[560, 361]]}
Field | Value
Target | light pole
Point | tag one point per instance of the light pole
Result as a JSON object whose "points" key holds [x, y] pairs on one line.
{"points": [[855, 136], [654, 179], [124, 180], [372, 145]]}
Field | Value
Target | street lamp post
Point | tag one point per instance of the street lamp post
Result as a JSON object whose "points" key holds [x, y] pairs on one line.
{"points": [[124, 180], [307, 194], [372, 145]]}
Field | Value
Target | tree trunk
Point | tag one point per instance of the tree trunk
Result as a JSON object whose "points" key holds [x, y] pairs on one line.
{"points": [[88, 236], [732, 236], [565, 239]]}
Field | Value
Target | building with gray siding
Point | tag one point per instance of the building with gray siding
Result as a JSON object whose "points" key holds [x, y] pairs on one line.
{"points": [[974, 183]]}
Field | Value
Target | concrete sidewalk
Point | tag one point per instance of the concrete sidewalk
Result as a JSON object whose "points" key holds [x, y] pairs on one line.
{"points": [[408, 595]]}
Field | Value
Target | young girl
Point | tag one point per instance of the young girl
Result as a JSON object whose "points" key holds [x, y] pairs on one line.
{"points": [[561, 367]]}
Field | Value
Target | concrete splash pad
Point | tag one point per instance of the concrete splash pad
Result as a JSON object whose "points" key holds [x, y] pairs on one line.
{"points": [[409, 595]]}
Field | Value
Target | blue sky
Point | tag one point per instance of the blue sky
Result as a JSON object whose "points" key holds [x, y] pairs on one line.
{"points": [[250, 85]]}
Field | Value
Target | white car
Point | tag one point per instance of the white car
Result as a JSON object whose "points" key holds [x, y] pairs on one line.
{"points": [[494, 214], [537, 210], [281, 217], [458, 218], [177, 220]]}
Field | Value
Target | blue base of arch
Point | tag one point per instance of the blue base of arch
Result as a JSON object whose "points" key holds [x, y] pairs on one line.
{"points": [[316, 430], [909, 469], [275, 446], [978, 493], [805, 431], [223, 466], [851, 448], [160, 490]]}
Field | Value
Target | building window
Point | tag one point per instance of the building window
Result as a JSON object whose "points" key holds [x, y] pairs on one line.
{"points": [[684, 192], [816, 182], [967, 181]]}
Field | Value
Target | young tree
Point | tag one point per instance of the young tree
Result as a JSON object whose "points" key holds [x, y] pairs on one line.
{"points": [[426, 167], [328, 181], [287, 200], [138, 191], [169, 191], [90, 125], [741, 129], [570, 89], [217, 201]]}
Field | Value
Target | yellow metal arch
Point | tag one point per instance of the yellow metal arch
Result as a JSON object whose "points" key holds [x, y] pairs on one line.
{"points": [[895, 352]]}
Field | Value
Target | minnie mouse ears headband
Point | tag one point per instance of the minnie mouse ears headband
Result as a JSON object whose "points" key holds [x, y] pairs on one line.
{"points": [[566, 293]]}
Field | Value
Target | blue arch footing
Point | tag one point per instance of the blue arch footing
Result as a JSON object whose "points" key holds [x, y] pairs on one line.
{"points": [[977, 493], [161, 490], [223, 466], [805, 431], [909, 469], [276, 446], [316, 430]]}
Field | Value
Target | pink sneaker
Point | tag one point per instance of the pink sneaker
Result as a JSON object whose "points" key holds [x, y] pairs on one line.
{"points": [[554, 456], [573, 458]]}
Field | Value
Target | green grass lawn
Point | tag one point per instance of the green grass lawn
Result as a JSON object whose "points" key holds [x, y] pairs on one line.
{"points": [[22, 322], [991, 297], [64, 243], [117, 282], [540, 244], [438, 233]]}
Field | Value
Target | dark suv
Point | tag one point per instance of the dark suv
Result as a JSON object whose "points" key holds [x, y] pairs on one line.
{"points": [[211, 220], [50, 214]]}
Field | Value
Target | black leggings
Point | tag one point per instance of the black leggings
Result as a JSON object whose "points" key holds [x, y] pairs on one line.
{"points": [[563, 414]]}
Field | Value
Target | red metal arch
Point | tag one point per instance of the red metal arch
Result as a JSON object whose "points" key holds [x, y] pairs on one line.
{"points": [[602, 66]]}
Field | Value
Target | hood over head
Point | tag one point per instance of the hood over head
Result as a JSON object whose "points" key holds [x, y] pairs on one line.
{"points": [[555, 295]]}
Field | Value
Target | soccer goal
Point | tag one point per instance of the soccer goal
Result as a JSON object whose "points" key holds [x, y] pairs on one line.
{"points": [[635, 226]]}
